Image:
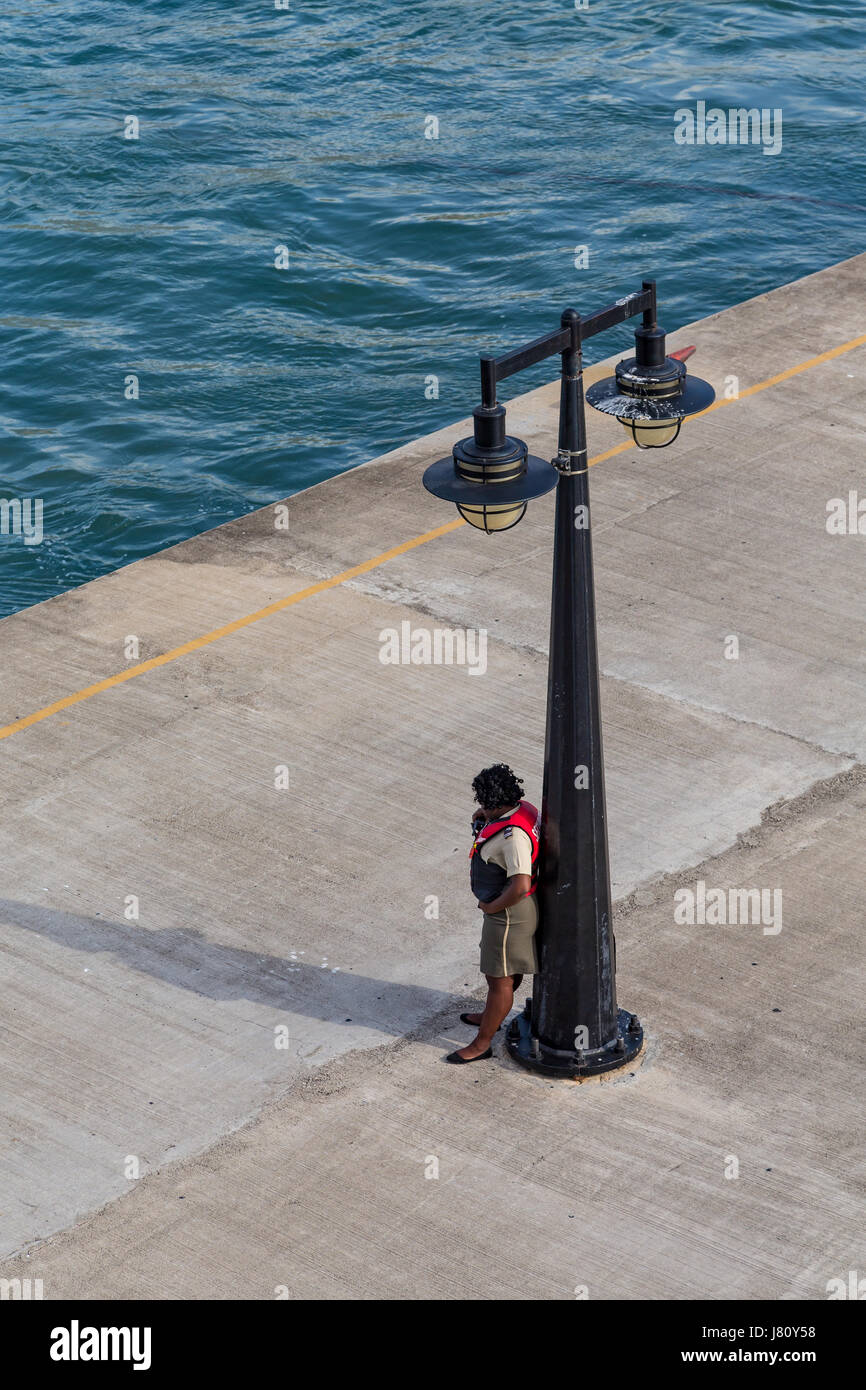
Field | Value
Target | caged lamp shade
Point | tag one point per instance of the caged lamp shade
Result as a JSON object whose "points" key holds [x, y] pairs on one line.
{"points": [[651, 394], [490, 476]]}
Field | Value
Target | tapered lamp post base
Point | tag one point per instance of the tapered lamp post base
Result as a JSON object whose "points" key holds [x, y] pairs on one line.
{"points": [[531, 1053]]}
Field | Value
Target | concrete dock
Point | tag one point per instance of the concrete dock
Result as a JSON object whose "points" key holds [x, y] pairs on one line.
{"points": [[236, 931]]}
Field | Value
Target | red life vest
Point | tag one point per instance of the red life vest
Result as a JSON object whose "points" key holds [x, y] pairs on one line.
{"points": [[528, 818]]}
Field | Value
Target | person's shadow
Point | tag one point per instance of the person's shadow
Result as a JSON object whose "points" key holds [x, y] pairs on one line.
{"points": [[188, 960]]}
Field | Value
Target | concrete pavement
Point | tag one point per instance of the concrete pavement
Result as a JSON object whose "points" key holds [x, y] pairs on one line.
{"points": [[238, 990]]}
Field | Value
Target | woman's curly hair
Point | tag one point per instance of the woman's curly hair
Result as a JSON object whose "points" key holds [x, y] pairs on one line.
{"points": [[497, 786]]}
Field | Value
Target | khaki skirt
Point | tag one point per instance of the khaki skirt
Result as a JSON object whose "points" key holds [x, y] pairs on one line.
{"points": [[508, 940]]}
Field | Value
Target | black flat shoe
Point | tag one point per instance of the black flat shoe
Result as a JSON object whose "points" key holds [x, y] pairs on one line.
{"points": [[461, 1061], [464, 1018]]}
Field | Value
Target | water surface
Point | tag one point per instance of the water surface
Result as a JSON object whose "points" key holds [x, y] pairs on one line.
{"points": [[408, 256]]}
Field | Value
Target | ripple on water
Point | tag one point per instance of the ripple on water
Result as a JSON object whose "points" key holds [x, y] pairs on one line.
{"points": [[408, 256]]}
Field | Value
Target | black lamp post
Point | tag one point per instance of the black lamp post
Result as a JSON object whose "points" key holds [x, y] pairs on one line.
{"points": [[571, 1027]]}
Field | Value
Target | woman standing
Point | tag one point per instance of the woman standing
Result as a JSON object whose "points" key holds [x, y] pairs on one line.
{"points": [[503, 871]]}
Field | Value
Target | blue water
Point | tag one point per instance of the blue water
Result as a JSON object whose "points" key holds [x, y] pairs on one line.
{"points": [[407, 256]]}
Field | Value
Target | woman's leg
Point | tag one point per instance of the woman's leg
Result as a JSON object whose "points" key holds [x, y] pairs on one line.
{"points": [[476, 1018], [500, 999]]}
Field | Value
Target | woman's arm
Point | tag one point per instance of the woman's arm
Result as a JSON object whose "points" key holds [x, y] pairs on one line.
{"points": [[516, 888]]}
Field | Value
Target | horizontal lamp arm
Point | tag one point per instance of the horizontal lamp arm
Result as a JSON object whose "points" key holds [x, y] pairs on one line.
{"points": [[617, 313], [494, 369]]}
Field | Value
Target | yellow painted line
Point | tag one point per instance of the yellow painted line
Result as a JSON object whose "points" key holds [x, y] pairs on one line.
{"points": [[236, 626], [611, 453], [364, 568], [792, 371]]}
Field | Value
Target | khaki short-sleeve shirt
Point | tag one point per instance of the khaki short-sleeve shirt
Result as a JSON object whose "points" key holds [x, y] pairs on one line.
{"points": [[510, 850]]}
